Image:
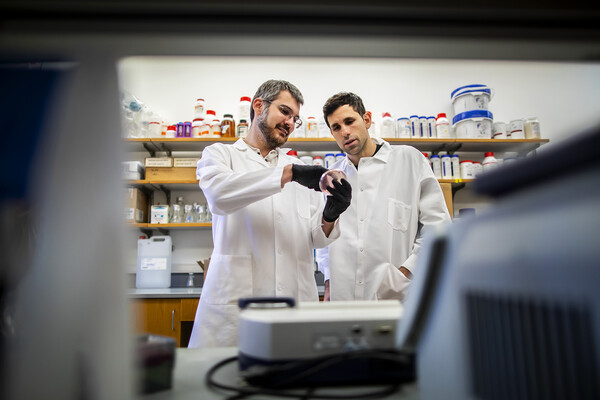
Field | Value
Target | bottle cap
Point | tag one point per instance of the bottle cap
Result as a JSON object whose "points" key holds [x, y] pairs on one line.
{"points": [[292, 153], [211, 112], [317, 157], [227, 115], [466, 161], [242, 121], [489, 154], [171, 128], [200, 99], [425, 154], [441, 115], [387, 114], [329, 154], [245, 98]]}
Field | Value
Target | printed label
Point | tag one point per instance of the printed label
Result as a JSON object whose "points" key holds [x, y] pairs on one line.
{"points": [[153, 264]]}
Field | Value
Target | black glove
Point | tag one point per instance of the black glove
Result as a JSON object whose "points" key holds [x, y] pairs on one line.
{"points": [[308, 175], [338, 201]]}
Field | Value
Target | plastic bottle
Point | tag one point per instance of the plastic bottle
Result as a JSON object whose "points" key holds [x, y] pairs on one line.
{"points": [[388, 128], [339, 156], [424, 126], [477, 168], [318, 160], [428, 159], [187, 129], [244, 108], [403, 128], [532, 128], [489, 162], [211, 115], [329, 160], [455, 166], [190, 280], [242, 128], [436, 165], [442, 126], [446, 167], [171, 131], [199, 108], [431, 128], [312, 130], [179, 129], [196, 125], [466, 169], [292, 153], [215, 128], [308, 160], [228, 126], [415, 126]]}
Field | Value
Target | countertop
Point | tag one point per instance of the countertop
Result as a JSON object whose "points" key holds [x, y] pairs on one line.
{"points": [[191, 366], [178, 293]]}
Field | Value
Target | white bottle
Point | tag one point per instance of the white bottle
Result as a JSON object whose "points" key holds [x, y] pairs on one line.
{"points": [[431, 128], [442, 126], [466, 169], [476, 168], [244, 109], [446, 167], [489, 162], [455, 166], [436, 166], [402, 128], [428, 159], [312, 129], [373, 129], [318, 160], [329, 160], [199, 108], [415, 126], [388, 128], [424, 126]]}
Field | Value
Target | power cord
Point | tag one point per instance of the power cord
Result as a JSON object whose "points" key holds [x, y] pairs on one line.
{"points": [[290, 375]]}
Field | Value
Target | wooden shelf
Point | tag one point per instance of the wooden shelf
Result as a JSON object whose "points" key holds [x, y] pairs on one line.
{"points": [[171, 226], [328, 144]]}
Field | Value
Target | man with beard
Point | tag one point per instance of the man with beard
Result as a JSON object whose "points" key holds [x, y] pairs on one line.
{"points": [[397, 200], [266, 218]]}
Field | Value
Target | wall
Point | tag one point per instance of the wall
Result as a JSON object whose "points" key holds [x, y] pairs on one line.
{"points": [[562, 95]]}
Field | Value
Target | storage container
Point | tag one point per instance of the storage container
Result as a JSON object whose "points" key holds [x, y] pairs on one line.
{"points": [[471, 97], [475, 124], [154, 263]]}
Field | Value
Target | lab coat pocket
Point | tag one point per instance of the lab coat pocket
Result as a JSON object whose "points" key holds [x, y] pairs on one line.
{"points": [[229, 279], [303, 202], [398, 215]]}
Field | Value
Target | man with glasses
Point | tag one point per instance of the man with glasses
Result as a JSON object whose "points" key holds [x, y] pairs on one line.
{"points": [[266, 218]]}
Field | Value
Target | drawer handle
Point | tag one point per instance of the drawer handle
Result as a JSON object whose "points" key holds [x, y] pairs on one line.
{"points": [[173, 320]]}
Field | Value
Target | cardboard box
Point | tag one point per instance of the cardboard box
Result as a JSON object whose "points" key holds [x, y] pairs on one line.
{"points": [[133, 170], [136, 208], [158, 161], [185, 162], [160, 214], [170, 174]]}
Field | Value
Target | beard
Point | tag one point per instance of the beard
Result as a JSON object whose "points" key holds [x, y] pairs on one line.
{"points": [[270, 134]]}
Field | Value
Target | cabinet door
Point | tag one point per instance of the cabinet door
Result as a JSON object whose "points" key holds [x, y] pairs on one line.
{"points": [[158, 316], [447, 191], [188, 309]]}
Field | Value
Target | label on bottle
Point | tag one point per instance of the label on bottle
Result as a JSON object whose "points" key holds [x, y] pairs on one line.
{"points": [[153, 263]]}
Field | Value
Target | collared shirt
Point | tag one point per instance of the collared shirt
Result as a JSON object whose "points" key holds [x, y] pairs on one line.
{"points": [[271, 158]]}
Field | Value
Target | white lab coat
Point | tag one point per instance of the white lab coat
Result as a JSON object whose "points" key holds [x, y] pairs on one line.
{"points": [[263, 237], [395, 197]]}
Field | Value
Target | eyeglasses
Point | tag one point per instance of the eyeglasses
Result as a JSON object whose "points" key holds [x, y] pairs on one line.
{"points": [[288, 113]]}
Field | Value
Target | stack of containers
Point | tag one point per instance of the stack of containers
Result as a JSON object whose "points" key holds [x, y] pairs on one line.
{"points": [[472, 119]]}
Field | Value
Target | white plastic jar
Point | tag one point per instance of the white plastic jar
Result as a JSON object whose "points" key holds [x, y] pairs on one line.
{"points": [[318, 160], [306, 160], [415, 126], [199, 108], [388, 127], [442, 126], [339, 156], [499, 130], [196, 125], [471, 97], [531, 127], [171, 131], [424, 126], [403, 128], [475, 124], [215, 128], [436, 166], [466, 169], [477, 168], [516, 129], [431, 128]]}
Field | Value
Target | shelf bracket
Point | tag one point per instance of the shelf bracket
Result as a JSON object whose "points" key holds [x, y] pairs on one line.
{"points": [[167, 193], [453, 147], [149, 150], [166, 149]]}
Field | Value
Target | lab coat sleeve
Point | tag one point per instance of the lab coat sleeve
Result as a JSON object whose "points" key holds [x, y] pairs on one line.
{"points": [[318, 236], [432, 211], [227, 191], [323, 261]]}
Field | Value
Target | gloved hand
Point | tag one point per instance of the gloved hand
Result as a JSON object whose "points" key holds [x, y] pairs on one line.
{"points": [[338, 201], [308, 175]]}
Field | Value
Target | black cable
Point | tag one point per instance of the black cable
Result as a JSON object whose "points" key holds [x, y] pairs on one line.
{"points": [[314, 365]]}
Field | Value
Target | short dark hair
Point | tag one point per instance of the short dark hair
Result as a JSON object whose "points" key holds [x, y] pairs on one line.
{"points": [[269, 91], [342, 99]]}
